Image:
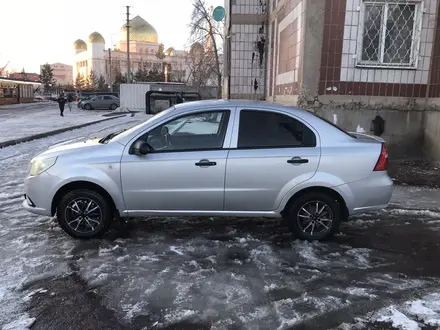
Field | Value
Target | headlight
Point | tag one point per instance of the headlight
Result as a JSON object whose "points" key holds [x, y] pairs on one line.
{"points": [[39, 165]]}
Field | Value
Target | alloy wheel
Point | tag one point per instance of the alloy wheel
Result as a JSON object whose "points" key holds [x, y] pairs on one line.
{"points": [[315, 218], [83, 215]]}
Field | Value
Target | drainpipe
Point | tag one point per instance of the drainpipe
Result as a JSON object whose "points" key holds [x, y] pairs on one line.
{"points": [[266, 51], [229, 48], [428, 85]]}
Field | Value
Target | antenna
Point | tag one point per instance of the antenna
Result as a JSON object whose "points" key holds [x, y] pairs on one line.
{"points": [[128, 46]]}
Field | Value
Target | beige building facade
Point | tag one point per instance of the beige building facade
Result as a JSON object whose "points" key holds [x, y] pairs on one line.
{"points": [[63, 73]]}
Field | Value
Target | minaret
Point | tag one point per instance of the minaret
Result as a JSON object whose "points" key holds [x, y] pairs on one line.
{"points": [[96, 48]]}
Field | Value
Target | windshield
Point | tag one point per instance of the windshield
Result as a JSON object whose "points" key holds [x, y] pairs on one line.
{"points": [[134, 128]]}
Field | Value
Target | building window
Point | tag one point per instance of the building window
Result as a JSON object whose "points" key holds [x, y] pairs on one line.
{"points": [[390, 34]]}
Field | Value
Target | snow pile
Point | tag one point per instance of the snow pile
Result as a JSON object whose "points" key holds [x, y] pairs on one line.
{"points": [[396, 319], [21, 323], [412, 315]]}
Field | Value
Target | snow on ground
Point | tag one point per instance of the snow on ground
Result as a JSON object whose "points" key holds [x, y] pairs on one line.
{"points": [[25, 106], [190, 272], [224, 272], [43, 118], [415, 198], [21, 323], [412, 315], [31, 247]]}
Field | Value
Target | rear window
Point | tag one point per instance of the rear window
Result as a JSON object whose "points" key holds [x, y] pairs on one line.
{"points": [[333, 124]]}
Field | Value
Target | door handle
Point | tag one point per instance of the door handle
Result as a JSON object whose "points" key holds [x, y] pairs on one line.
{"points": [[205, 162], [298, 160]]}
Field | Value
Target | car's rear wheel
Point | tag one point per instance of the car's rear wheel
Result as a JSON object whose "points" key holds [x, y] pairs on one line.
{"points": [[314, 216], [84, 213], [113, 106], [88, 107]]}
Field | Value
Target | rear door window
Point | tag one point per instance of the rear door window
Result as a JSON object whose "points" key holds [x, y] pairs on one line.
{"points": [[266, 129]]}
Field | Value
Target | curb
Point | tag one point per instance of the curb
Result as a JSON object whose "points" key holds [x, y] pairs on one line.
{"points": [[55, 132]]}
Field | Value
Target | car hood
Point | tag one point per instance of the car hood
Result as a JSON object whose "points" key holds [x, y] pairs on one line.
{"points": [[66, 148]]}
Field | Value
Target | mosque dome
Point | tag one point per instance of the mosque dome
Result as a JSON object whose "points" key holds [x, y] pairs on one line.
{"points": [[96, 38], [140, 31], [79, 45]]}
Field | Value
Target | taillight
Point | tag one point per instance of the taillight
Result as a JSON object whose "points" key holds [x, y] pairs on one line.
{"points": [[382, 162]]}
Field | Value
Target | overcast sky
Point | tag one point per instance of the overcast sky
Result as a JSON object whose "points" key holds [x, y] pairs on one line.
{"points": [[34, 32]]}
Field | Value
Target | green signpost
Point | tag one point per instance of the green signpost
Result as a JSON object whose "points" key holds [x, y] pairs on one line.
{"points": [[219, 13]]}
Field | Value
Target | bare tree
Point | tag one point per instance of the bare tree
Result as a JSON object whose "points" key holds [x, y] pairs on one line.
{"points": [[204, 30], [201, 66]]}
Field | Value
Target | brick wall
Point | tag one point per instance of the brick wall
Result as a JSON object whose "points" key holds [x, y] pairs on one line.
{"points": [[286, 37]]}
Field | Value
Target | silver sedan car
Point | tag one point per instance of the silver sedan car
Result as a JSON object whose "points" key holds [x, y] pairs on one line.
{"points": [[214, 158], [101, 102]]}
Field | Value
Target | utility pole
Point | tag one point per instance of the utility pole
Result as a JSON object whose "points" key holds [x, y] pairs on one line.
{"points": [[128, 46], [110, 69]]}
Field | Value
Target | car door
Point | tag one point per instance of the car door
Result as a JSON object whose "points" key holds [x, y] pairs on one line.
{"points": [[96, 102], [102, 102], [271, 152], [186, 169], [108, 100]]}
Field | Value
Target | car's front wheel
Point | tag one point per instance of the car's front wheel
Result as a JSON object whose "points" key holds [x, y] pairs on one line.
{"points": [[88, 107], [84, 213], [114, 106], [314, 216]]}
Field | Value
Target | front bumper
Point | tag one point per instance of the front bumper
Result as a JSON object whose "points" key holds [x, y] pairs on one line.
{"points": [[39, 193], [33, 209]]}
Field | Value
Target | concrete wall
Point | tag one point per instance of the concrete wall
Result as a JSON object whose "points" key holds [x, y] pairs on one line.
{"points": [[312, 48], [404, 129], [431, 146]]}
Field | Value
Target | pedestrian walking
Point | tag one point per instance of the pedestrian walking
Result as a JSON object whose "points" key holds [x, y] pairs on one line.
{"points": [[69, 101], [61, 103]]}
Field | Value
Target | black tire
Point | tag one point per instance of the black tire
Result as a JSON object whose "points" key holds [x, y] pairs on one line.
{"points": [[302, 220], [114, 106], [85, 227], [88, 106]]}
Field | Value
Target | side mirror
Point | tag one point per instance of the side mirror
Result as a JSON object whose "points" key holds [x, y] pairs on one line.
{"points": [[141, 148]]}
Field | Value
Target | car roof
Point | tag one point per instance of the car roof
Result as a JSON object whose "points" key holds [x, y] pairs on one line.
{"points": [[194, 105]]}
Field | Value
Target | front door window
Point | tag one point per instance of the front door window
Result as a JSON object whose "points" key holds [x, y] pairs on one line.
{"points": [[194, 132]]}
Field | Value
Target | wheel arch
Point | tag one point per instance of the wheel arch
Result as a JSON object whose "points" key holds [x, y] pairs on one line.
{"points": [[319, 189], [80, 185]]}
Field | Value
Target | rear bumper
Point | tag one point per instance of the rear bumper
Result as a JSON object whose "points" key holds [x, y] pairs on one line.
{"points": [[370, 194]]}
